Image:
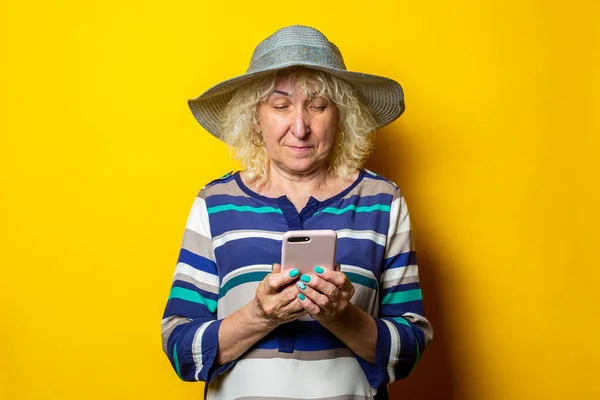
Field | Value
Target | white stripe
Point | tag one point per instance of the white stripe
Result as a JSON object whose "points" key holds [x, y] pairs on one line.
{"points": [[171, 321], [236, 298], [198, 218], [394, 350], [198, 275], [369, 235], [357, 270], [399, 218], [394, 211], [246, 269], [258, 378], [397, 274], [403, 218], [235, 235], [197, 348]]}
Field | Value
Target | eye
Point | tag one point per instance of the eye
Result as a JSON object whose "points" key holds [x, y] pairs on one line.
{"points": [[281, 107], [318, 108], [318, 105]]}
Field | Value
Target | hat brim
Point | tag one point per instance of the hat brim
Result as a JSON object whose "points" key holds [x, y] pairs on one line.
{"points": [[383, 96]]}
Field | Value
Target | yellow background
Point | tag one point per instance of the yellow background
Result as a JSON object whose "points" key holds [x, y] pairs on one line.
{"points": [[100, 160]]}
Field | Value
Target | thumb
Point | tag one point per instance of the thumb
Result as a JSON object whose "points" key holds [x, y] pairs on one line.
{"points": [[275, 268]]}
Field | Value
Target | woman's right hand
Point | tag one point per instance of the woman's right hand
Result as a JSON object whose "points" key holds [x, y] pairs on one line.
{"points": [[276, 297]]}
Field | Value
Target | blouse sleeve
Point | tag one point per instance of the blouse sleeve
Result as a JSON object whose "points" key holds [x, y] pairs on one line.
{"points": [[403, 332], [190, 328]]}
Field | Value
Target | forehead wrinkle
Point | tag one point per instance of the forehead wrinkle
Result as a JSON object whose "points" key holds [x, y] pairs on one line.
{"points": [[311, 95], [294, 83]]}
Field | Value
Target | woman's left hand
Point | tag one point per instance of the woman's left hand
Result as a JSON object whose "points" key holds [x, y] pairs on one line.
{"points": [[325, 294]]}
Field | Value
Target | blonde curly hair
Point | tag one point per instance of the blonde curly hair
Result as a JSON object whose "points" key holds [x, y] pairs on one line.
{"points": [[355, 122]]}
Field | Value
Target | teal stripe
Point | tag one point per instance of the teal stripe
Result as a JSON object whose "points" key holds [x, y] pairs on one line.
{"points": [[176, 361], [362, 280], [418, 355], [402, 321], [241, 279], [402, 297], [194, 297], [230, 207], [352, 207]]}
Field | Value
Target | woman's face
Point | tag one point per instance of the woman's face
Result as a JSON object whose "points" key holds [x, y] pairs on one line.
{"points": [[298, 129]]}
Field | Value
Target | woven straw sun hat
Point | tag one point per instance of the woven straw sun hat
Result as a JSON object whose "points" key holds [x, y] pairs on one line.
{"points": [[307, 47]]}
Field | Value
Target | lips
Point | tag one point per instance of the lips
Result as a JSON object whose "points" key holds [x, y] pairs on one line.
{"points": [[300, 149]]}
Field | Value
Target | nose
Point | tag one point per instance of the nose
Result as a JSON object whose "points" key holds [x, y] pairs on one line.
{"points": [[301, 123]]}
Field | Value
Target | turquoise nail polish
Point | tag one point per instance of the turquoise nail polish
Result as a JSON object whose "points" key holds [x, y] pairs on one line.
{"points": [[319, 270], [301, 285], [302, 297], [272, 265], [294, 273], [305, 278]]}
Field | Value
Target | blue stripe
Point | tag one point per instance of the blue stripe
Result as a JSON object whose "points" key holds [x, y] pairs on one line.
{"points": [[357, 200], [234, 254], [401, 260], [197, 261], [308, 336], [224, 222], [376, 221], [188, 309], [390, 310], [401, 288]]}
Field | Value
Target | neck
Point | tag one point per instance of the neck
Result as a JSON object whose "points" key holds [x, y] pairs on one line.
{"points": [[303, 185]]}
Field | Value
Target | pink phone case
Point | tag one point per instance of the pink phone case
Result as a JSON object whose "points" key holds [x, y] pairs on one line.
{"points": [[307, 249]]}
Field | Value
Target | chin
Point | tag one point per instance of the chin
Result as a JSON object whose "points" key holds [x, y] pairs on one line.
{"points": [[303, 168]]}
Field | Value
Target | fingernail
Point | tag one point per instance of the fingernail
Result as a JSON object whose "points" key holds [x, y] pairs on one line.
{"points": [[294, 273], [302, 297], [272, 265], [305, 278], [319, 270], [301, 285]]}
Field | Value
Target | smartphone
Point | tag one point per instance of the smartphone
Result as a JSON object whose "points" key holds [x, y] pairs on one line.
{"points": [[307, 249]]}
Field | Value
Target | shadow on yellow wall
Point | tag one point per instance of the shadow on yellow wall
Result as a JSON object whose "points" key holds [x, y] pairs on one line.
{"points": [[435, 377]]}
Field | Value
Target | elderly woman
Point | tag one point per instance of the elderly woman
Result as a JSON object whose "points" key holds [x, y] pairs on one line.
{"points": [[301, 125]]}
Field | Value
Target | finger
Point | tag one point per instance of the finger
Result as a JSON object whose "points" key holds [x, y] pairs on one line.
{"points": [[292, 310], [289, 293], [300, 312], [277, 280], [321, 300], [337, 278], [320, 285], [275, 268], [308, 305]]}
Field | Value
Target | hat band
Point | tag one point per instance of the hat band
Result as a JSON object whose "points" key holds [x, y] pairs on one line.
{"points": [[296, 54]]}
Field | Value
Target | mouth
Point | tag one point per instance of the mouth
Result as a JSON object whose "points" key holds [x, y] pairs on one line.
{"points": [[300, 149]]}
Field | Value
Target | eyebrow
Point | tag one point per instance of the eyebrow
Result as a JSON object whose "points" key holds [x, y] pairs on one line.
{"points": [[312, 95]]}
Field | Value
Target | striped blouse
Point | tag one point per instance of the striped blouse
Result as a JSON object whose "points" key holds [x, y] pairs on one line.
{"points": [[232, 237]]}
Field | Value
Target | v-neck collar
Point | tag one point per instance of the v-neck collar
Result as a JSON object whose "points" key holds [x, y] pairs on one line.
{"points": [[295, 219]]}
